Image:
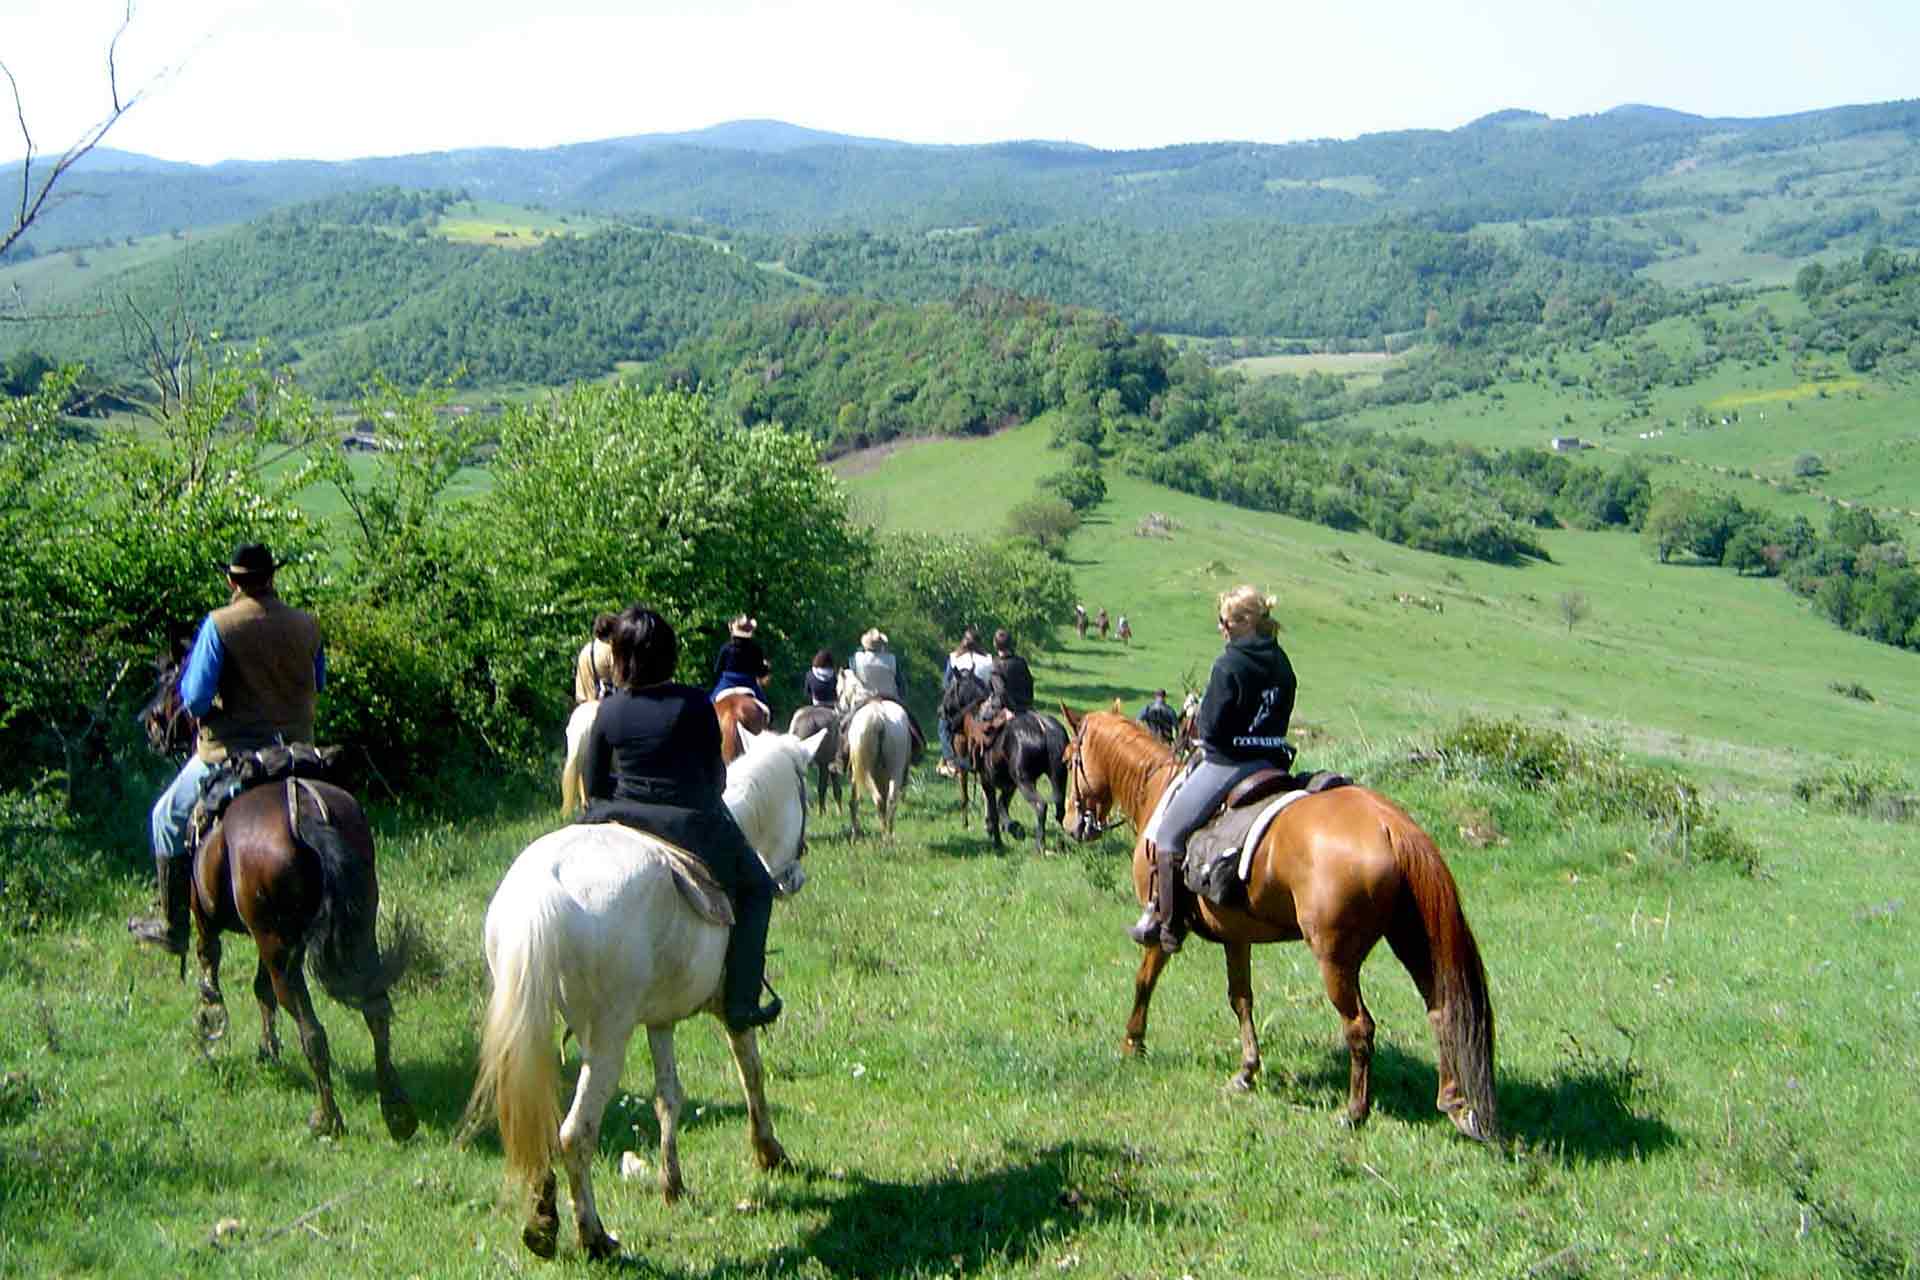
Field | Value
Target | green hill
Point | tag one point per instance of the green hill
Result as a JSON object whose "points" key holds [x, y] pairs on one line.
{"points": [[1731, 676]]}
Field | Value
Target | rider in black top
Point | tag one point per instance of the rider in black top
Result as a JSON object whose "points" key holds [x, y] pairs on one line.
{"points": [[1012, 681], [1241, 727], [652, 761]]}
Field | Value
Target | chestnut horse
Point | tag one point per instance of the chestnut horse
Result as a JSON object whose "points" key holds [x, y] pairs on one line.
{"points": [[291, 863], [738, 711], [1340, 869]]}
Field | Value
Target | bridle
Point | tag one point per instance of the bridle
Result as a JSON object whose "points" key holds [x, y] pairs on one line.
{"points": [[1087, 824]]}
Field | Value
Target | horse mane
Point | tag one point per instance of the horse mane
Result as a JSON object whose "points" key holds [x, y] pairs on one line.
{"points": [[1133, 753]]}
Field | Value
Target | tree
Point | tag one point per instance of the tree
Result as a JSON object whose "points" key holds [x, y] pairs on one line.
{"points": [[34, 199], [1573, 608], [1669, 523]]}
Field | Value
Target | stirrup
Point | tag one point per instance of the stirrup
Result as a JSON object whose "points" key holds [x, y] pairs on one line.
{"points": [[759, 1017]]}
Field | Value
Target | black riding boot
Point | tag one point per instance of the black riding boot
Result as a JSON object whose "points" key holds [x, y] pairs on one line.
{"points": [[747, 963], [167, 928], [1155, 927]]}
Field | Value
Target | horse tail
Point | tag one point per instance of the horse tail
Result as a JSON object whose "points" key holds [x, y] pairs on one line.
{"points": [[866, 751], [519, 1077], [348, 960], [1430, 936]]}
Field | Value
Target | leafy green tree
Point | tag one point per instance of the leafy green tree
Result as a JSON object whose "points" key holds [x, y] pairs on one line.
{"points": [[1669, 524], [1048, 522]]}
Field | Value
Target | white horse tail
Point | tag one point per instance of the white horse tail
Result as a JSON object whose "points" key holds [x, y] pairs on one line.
{"points": [[519, 1066], [573, 787]]}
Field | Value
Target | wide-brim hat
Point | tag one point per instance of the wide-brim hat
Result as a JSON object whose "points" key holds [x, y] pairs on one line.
{"points": [[742, 627], [874, 639], [251, 560]]}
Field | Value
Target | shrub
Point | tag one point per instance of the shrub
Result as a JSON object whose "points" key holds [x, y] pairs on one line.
{"points": [[1869, 789]]}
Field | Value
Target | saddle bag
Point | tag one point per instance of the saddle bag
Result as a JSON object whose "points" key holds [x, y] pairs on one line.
{"points": [[245, 770]]}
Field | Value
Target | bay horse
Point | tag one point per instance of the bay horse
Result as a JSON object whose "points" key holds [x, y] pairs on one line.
{"points": [[291, 863], [830, 760], [1100, 621], [1340, 870], [590, 925]]}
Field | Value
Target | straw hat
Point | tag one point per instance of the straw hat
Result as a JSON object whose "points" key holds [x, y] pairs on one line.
{"points": [[874, 639], [742, 627]]}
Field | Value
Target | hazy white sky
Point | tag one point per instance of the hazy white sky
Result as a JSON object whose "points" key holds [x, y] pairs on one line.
{"points": [[335, 79]]}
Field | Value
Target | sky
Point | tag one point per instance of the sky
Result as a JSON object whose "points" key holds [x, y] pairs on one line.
{"points": [[340, 79]]}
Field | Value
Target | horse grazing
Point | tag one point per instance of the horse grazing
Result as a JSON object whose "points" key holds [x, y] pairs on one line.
{"points": [[1339, 869], [738, 711], [829, 760], [590, 924], [879, 745], [291, 863]]}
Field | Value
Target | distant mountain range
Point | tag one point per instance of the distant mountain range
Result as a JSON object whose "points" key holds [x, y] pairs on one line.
{"points": [[769, 176]]}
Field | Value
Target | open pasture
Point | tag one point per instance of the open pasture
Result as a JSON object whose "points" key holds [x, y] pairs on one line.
{"points": [[1701, 1073]]}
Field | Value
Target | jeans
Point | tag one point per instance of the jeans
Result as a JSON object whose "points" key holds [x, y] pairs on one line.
{"points": [[946, 741], [175, 806], [1206, 785]]}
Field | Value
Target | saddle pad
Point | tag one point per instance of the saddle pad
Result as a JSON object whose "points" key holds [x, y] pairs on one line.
{"points": [[1220, 854], [735, 691], [702, 892]]}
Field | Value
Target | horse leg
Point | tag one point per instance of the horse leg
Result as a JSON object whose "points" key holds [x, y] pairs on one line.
{"points": [[542, 1232], [580, 1133], [212, 1017], [287, 966], [1145, 977], [767, 1151], [1342, 978], [395, 1108], [1240, 1000], [668, 1098], [1032, 794], [269, 1050]]}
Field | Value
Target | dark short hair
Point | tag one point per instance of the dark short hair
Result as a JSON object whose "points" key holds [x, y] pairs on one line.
{"points": [[1159, 693], [1003, 640], [645, 650], [824, 658], [603, 625], [970, 639]]}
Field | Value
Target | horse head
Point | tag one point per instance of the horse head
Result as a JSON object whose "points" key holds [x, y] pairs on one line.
{"points": [[767, 793], [965, 693], [164, 718], [1089, 786]]}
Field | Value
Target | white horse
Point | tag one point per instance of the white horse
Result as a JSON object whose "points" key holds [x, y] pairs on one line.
{"points": [[878, 746], [589, 923]]}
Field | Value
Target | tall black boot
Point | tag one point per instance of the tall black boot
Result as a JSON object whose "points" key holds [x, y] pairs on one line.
{"points": [[167, 928], [1155, 926], [747, 964]]}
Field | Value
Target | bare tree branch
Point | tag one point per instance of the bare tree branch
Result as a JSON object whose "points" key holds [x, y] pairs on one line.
{"points": [[34, 202]]}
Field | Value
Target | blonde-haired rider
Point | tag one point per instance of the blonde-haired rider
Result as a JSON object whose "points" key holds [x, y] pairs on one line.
{"points": [[1241, 727]]}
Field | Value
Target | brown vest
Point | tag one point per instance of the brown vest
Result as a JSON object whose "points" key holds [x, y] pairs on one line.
{"points": [[267, 689]]}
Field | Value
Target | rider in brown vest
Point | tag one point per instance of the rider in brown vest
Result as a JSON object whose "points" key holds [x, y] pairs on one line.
{"points": [[252, 678]]}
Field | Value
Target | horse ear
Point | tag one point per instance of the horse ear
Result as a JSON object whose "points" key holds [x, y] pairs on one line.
{"points": [[1118, 709], [812, 746], [1073, 721]]}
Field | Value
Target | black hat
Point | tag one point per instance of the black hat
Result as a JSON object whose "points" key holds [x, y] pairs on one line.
{"points": [[251, 560]]}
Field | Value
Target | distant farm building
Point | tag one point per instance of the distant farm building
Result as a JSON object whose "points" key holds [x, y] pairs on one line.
{"points": [[1569, 444]]}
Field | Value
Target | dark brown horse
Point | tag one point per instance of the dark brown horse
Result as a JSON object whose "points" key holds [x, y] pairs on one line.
{"points": [[1340, 870], [738, 711], [1009, 756], [311, 895]]}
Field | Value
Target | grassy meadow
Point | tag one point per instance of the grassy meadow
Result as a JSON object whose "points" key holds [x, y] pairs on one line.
{"points": [[1702, 1071]]}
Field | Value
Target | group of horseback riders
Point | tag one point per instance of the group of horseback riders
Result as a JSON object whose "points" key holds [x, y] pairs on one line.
{"points": [[652, 759]]}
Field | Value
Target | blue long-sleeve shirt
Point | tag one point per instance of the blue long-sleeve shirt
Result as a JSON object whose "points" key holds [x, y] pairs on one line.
{"points": [[201, 679]]}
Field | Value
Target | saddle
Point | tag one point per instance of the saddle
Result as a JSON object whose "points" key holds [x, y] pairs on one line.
{"points": [[1220, 853], [246, 770]]}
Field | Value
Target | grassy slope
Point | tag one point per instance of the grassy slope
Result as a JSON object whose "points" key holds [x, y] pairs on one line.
{"points": [[1679, 662], [1706, 1074]]}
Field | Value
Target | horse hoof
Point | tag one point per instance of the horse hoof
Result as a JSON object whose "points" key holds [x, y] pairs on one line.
{"points": [[771, 1156], [542, 1237], [326, 1124], [602, 1247], [402, 1122], [1467, 1121], [1240, 1083], [269, 1051], [212, 1021], [1348, 1120]]}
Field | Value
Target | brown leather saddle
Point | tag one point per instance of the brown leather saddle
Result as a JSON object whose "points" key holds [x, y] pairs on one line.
{"points": [[1212, 866]]}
